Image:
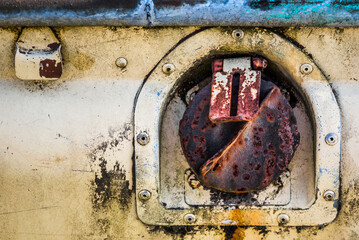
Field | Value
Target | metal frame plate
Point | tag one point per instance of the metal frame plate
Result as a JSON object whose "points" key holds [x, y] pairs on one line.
{"points": [[324, 109]]}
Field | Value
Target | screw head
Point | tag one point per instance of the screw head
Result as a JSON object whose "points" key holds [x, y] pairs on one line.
{"points": [[190, 218], [331, 139], [329, 195], [237, 34], [306, 68], [121, 62], [144, 195], [168, 68], [143, 138], [283, 218]]}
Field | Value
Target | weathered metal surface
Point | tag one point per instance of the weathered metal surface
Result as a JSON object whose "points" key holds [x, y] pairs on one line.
{"points": [[38, 55], [179, 13], [235, 89], [175, 191], [240, 157], [47, 180], [307, 207]]}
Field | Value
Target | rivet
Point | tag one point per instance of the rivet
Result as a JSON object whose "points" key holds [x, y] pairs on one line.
{"points": [[190, 218], [329, 195], [331, 139], [237, 34], [306, 68], [121, 62], [283, 218], [144, 195], [168, 68], [143, 138]]}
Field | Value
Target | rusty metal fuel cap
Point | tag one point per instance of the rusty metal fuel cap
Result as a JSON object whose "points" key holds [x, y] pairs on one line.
{"points": [[252, 136]]}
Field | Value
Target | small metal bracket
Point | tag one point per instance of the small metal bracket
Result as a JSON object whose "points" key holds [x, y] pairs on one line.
{"points": [[38, 55], [235, 89]]}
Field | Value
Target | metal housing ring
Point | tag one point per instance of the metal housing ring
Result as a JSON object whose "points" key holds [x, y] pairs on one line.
{"points": [[157, 90]]}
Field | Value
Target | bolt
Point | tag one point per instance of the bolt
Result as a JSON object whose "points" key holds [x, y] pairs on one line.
{"points": [[121, 62], [237, 34], [144, 195], [168, 68], [306, 68], [283, 218], [331, 139], [143, 138], [190, 218], [329, 195]]}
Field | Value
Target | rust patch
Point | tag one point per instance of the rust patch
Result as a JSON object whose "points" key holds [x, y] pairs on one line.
{"points": [[239, 234], [50, 68], [195, 123]]}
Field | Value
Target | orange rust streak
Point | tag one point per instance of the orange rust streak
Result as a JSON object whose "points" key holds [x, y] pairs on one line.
{"points": [[242, 218]]}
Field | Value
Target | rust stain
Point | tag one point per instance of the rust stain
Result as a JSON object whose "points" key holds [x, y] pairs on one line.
{"points": [[241, 219], [237, 216], [239, 234], [50, 68]]}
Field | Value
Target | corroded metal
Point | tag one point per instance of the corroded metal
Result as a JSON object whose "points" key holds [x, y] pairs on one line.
{"points": [[240, 156], [235, 89]]}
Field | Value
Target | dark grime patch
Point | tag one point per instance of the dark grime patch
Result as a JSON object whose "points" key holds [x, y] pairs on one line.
{"points": [[110, 182], [262, 230], [111, 185]]}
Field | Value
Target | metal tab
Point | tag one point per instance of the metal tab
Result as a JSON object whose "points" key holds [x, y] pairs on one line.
{"points": [[235, 89], [37, 55]]}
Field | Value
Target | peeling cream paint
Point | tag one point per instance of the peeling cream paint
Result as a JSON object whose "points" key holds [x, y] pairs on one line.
{"points": [[66, 144]]}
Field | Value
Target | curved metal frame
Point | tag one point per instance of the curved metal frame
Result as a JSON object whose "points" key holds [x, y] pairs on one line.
{"points": [[323, 106]]}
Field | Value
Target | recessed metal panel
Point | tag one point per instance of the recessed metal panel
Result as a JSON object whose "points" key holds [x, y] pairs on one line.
{"points": [[159, 89]]}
